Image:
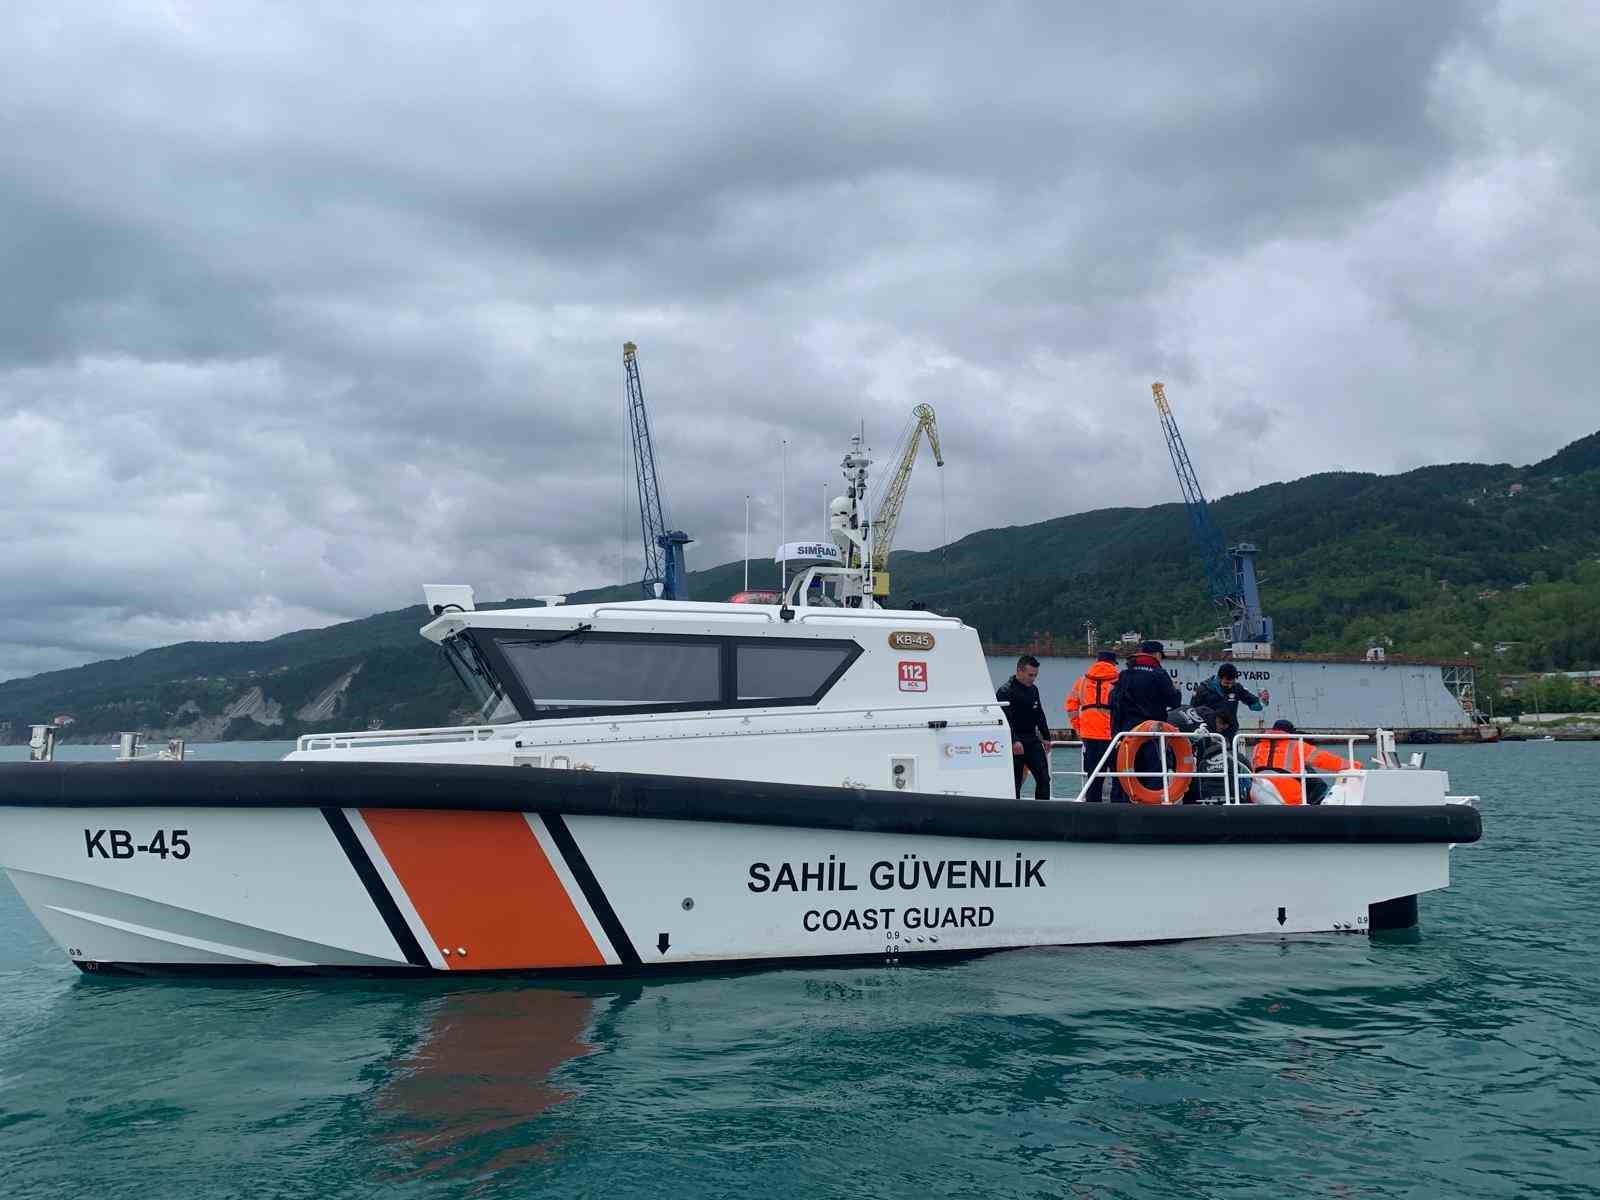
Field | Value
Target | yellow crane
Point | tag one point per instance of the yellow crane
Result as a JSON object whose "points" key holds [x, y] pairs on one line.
{"points": [[887, 518]]}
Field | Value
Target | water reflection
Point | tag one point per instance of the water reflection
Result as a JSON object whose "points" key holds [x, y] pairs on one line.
{"points": [[465, 1097]]}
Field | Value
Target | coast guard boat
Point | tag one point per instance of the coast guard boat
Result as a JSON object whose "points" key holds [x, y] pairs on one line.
{"points": [[671, 784]]}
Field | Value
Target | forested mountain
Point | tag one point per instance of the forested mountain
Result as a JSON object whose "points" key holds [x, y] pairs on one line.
{"points": [[1448, 560]]}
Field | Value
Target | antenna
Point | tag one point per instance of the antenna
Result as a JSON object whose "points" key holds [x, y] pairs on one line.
{"points": [[783, 517]]}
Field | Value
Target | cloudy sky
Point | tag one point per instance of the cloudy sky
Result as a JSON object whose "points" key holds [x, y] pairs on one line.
{"points": [[305, 305]]}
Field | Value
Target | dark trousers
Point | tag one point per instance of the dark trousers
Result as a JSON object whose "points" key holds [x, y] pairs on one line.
{"points": [[1093, 752], [1037, 760]]}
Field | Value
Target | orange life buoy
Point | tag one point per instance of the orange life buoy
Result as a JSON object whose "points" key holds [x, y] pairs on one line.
{"points": [[1127, 756]]}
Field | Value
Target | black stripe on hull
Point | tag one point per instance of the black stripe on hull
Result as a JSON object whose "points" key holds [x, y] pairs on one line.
{"points": [[460, 787], [628, 970], [638, 970], [373, 882], [592, 891]]}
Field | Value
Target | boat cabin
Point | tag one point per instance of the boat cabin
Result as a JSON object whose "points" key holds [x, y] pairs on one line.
{"points": [[808, 691]]}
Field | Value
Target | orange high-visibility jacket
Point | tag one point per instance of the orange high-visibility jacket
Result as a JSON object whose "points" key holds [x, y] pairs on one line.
{"points": [[1285, 756], [1089, 702]]}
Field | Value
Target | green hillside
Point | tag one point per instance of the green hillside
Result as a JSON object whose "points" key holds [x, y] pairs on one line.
{"points": [[1442, 561]]}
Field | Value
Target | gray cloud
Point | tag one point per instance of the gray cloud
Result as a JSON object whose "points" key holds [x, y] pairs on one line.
{"points": [[304, 309]]}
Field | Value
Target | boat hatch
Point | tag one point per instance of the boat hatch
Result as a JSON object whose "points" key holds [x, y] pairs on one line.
{"points": [[583, 672]]}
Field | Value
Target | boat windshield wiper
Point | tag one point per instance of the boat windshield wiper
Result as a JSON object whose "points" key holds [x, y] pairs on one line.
{"points": [[480, 664], [451, 657]]}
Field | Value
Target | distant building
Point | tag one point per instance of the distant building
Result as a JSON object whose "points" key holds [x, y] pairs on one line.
{"points": [[1513, 685], [1514, 490], [62, 720]]}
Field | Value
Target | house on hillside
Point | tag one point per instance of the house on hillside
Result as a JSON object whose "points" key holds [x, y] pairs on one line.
{"points": [[1512, 685], [62, 720]]}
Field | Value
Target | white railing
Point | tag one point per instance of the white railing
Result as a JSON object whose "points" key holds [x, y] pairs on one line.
{"points": [[1107, 769], [1236, 762], [1243, 743], [683, 610], [600, 726], [396, 737]]}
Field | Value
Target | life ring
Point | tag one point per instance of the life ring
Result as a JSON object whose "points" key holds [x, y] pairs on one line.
{"points": [[1128, 753]]}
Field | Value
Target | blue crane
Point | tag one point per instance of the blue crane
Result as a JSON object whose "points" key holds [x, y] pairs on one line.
{"points": [[1230, 570], [664, 574]]}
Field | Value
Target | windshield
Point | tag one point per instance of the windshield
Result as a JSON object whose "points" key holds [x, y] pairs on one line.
{"points": [[490, 704]]}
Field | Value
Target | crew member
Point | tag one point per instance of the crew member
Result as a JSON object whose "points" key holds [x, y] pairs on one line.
{"points": [[1287, 757], [1030, 731], [1089, 713], [1144, 692], [1224, 693]]}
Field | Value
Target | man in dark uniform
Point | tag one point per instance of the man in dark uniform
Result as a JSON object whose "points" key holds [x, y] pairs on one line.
{"points": [[1223, 694], [1030, 731], [1144, 692]]}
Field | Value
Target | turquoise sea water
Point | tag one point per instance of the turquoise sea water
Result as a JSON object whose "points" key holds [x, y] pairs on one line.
{"points": [[1463, 1060]]}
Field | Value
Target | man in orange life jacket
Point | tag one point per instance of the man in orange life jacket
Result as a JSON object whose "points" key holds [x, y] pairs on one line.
{"points": [[1286, 757], [1089, 713]]}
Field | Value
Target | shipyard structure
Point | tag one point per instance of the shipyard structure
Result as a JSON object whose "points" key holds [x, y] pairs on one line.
{"points": [[1422, 700], [1326, 695]]}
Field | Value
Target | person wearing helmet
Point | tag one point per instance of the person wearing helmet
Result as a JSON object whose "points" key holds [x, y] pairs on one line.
{"points": [[1289, 759]]}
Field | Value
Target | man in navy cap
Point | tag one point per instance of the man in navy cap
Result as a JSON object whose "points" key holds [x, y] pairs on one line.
{"points": [[1144, 692]]}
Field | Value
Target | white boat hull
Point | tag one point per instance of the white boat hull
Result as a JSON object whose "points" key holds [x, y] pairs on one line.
{"points": [[376, 888]]}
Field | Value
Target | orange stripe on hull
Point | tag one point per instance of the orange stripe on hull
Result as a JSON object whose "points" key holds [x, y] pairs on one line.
{"points": [[481, 882]]}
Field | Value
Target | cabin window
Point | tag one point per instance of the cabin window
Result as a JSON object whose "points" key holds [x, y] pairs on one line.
{"points": [[582, 672], [490, 704], [790, 669], [598, 671]]}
